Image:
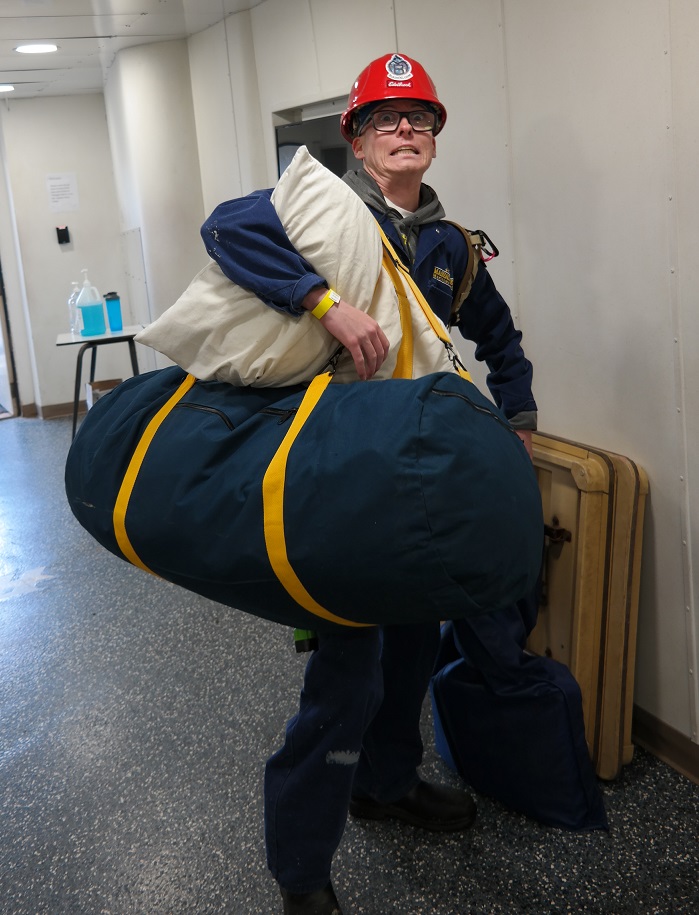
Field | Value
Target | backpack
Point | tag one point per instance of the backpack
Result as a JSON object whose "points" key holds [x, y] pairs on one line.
{"points": [[480, 248]]}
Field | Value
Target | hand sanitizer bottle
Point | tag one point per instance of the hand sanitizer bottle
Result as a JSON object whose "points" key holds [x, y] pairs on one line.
{"points": [[90, 305]]}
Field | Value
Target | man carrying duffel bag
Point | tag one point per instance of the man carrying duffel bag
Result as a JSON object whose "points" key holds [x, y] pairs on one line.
{"points": [[355, 743]]}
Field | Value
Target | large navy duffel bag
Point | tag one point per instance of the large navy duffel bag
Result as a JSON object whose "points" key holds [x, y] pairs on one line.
{"points": [[398, 501]]}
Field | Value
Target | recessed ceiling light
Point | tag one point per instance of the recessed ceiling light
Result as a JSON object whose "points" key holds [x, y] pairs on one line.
{"points": [[36, 48], [4, 88]]}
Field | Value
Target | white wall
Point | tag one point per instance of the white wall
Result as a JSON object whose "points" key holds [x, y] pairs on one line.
{"points": [[214, 115], [682, 244], [227, 110], [595, 216], [151, 122]]}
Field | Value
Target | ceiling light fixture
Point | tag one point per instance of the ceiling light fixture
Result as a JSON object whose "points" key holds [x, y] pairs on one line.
{"points": [[36, 48], [6, 88]]}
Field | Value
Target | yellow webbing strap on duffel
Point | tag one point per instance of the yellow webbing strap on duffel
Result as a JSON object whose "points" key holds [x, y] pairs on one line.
{"points": [[273, 508], [398, 273], [127, 484]]}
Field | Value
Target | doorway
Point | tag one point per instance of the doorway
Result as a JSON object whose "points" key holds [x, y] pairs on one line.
{"points": [[9, 406], [316, 127]]}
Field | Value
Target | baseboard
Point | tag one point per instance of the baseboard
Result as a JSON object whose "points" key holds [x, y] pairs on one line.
{"points": [[29, 411], [666, 743], [58, 410]]}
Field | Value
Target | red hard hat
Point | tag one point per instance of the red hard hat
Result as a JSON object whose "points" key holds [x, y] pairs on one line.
{"points": [[393, 76]]}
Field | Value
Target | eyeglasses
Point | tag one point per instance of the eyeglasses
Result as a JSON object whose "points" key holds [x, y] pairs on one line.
{"points": [[387, 121]]}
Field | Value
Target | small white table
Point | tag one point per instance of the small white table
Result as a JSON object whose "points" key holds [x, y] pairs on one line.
{"points": [[91, 343]]}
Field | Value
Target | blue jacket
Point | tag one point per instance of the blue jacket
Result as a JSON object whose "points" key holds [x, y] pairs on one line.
{"points": [[246, 238]]}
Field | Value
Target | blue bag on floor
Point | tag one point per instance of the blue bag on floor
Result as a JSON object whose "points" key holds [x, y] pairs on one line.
{"points": [[511, 724], [393, 501]]}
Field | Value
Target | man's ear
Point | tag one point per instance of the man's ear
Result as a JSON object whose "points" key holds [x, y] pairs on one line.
{"points": [[357, 148]]}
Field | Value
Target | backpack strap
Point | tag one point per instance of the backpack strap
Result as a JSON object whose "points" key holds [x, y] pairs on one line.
{"points": [[480, 248]]}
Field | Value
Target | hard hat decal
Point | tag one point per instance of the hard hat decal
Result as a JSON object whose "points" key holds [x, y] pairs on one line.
{"points": [[399, 68]]}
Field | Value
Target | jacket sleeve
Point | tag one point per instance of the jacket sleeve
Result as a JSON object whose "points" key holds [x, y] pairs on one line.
{"points": [[247, 240], [485, 319]]}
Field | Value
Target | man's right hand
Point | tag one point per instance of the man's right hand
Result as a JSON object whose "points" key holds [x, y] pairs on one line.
{"points": [[356, 330]]}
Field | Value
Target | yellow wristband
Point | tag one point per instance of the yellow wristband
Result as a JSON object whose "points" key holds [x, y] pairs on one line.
{"points": [[326, 303]]}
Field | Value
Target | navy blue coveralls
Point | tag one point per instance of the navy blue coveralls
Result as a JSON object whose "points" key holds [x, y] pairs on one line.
{"points": [[358, 726]]}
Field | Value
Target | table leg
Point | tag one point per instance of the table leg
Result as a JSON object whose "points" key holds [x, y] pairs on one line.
{"points": [[78, 380], [92, 345], [134, 360], [93, 362]]}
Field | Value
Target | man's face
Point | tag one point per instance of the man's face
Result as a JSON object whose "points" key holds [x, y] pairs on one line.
{"points": [[403, 152]]}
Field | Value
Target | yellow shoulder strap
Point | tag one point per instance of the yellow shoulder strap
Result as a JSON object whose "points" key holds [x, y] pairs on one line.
{"points": [[399, 275]]}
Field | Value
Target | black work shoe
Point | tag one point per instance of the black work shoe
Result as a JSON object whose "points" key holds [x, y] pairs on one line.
{"points": [[434, 807], [322, 902]]}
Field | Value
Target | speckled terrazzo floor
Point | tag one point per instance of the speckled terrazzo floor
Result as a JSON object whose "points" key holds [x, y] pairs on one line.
{"points": [[135, 719]]}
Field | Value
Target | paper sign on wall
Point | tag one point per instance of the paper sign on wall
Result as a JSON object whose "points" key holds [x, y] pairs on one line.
{"points": [[63, 192]]}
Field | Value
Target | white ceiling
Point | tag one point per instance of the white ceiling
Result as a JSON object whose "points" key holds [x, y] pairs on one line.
{"points": [[88, 34]]}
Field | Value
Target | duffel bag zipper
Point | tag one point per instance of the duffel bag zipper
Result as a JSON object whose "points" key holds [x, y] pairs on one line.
{"points": [[204, 409], [283, 415], [476, 407]]}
